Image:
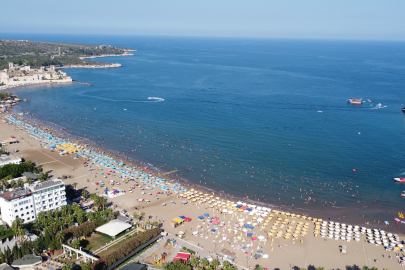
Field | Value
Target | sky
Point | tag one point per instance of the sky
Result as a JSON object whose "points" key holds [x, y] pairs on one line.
{"points": [[310, 19]]}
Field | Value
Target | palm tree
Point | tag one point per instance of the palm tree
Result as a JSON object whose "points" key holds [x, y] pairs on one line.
{"points": [[204, 262], [194, 262], [29, 180], [85, 193], [74, 185], [60, 236], [215, 264], [18, 228], [155, 223], [103, 202], [4, 183], [142, 214], [39, 168], [148, 223], [135, 215], [75, 207], [20, 182]]}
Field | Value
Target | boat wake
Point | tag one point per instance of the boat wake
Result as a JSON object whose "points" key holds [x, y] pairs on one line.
{"points": [[156, 99], [150, 99], [379, 106]]}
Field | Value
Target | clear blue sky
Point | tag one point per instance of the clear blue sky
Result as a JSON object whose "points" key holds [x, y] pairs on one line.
{"points": [[327, 19]]}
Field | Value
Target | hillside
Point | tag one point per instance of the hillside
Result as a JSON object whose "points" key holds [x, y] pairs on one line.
{"points": [[37, 54]]}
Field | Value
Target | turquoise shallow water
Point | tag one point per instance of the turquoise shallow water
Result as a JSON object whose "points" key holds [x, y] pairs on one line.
{"points": [[241, 115]]}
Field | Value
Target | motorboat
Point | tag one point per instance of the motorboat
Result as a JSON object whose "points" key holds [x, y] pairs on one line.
{"points": [[403, 194], [400, 179], [403, 109], [355, 101]]}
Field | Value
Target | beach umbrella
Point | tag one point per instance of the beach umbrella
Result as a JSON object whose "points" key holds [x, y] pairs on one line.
{"points": [[184, 202]]}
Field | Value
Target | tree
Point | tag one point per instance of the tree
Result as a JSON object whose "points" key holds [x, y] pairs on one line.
{"points": [[194, 262], [66, 267], [215, 264], [13, 184], [103, 202], [29, 180], [85, 266], [74, 185], [18, 228], [85, 193], [43, 177], [258, 267], [60, 236], [204, 262], [136, 216], [40, 168], [142, 214], [155, 223], [75, 244], [20, 182]]}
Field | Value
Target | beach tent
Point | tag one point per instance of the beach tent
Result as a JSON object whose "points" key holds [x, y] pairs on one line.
{"points": [[174, 224], [178, 220]]}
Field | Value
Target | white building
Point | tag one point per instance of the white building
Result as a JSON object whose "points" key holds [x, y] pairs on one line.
{"points": [[26, 203], [4, 160], [48, 195]]}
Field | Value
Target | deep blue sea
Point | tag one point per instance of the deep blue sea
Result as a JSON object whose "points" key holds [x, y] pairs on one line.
{"points": [[267, 119]]}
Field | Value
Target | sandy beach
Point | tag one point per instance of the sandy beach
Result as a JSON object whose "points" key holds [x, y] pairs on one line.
{"points": [[302, 251]]}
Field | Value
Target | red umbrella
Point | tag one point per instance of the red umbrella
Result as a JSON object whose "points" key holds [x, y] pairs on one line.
{"points": [[216, 222], [244, 207], [11, 136], [187, 219], [254, 238]]}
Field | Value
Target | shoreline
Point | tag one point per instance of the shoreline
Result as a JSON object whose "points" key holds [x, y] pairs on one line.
{"points": [[321, 210], [342, 214], [305, 247]]}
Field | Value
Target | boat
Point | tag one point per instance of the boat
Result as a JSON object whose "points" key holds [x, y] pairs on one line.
{"points": [[403, 109], [400, 179], [355, 101], [403, 194]]}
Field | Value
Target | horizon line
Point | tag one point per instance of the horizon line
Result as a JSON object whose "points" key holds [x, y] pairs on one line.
{"points": [[206, 36]]}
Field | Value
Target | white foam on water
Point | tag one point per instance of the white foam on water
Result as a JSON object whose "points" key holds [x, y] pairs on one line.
{"points": [[379, 106], [158, 99]]}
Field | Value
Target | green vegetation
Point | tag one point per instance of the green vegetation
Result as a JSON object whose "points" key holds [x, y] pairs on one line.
{"points": [[37, 54], [4, 95], [125, 248], [16, 170]]}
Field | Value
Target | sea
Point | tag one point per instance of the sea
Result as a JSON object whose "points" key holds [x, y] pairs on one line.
{"points": [[266, 120]]}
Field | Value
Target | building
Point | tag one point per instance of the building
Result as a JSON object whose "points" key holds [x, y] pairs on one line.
{"points": [[26, 203], [48, 195], [4, 160], [15, 75]]}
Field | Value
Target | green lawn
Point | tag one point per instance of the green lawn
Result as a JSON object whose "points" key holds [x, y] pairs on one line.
{"points": [[116, 246], [95, 242]]}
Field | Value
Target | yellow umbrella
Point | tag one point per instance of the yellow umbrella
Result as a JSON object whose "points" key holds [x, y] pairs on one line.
{"points": [[270, 234]]}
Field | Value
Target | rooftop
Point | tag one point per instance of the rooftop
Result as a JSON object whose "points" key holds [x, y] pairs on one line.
{"points": [[31, 175], [114, 227], [15, 194], [5, 266], [47, 184], [27, 260]]}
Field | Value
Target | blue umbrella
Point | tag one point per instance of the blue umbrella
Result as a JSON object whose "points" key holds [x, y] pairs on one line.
{"points": [[212, 230], [250, 234], [206, 215]]}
